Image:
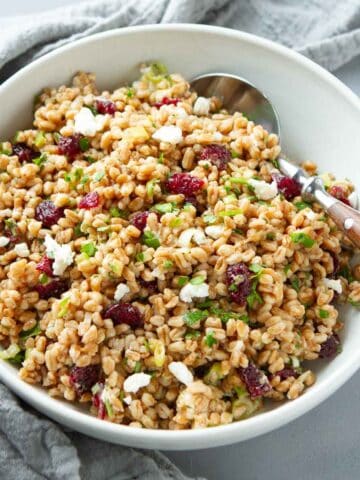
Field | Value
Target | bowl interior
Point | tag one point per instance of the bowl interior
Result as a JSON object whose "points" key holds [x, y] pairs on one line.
{"points": [[319, 122]]}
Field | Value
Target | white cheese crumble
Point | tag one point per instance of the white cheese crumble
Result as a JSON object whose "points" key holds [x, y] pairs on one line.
{"points": [[4, 241], [169, 134], [136, 381], [309, 214], [202, 106], [215, 231], [190, 291], [333, 284], [121, 290], [22, 250], [353, 199], [128, 399], [61, 254], [105, 395], [264, 190], [88, 124], [191, 233], [181, 372]]}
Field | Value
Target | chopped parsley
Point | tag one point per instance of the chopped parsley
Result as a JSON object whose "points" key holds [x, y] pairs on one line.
{"points": [[175, 222], [130, 92], [43, 278], [210, 340], [346, 273], [182, 281], [195, 316], [137, 367], [270, 236], [198, 280]]}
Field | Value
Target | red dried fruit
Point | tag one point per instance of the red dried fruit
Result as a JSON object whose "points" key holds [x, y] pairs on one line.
{"points": [[151, 286], [69, 146], [23, 152], [218, 155], [124, 313], [289, 187], [286, 373], [48, 214], [139, 220], [255, 380], [54, 288], [184, 183], [105, 106], [339, 193], [83, 378], [45, 266], [238, 279], [330, 347], [91, 200], [99, 405], [167, 101]]}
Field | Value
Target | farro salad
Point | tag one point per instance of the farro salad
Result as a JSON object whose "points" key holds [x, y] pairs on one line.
{"points": [[155, 264]]}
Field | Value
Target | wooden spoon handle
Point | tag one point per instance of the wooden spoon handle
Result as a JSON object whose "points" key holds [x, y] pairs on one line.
{"points": [[347, 219]]}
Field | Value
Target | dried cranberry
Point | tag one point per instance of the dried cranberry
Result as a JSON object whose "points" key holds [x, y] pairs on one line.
{"points": [[286, 373], [255, 380], [69, 146], [218, 155], [45, 266], [99, 405], [105, 106], [83, 378], [167, 101], [139, 220], [289, 187], [184, 183], [151, 286], [339, 193], [124, 313], [330, 347], [238, 282], [23, 152], [54, 288], [48, 214], [91, 200]]}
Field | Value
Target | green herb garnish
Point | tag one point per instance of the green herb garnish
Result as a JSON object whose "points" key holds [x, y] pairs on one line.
{"points": [[99, 176], [43, 278], [323, 313], [209, 218], [230, 213], [84, 144], [302, 238], [182, 281], [210, 340], [63, 304], [168, 264], [165, 207], [137, 367], [301, 205], [39, 161], [195, 316], [192, 334], [40, 140], [198, 280], [295, 283], [175, 222], [89, 249], [32, 332], [270, 236], [150, 239]]}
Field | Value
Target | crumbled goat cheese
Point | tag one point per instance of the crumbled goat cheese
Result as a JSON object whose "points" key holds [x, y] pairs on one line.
{"points": [[121, 290], [264, 190], [190, 291], [4, 241], [61, 254], [202, 106], [169, 134], [333, 284], [22, 250], [181, 372], [88, 124], [192, 233], [215, 231], [310, 214], [128, 399], [353, 199], [136, 381]]}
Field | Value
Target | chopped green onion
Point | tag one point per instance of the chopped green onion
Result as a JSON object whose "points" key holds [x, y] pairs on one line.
{"points": [[238, 231], [39, 161], [195, 316], [77, 230], [303, 239], [10, 353], [210, 340], [230, 213], [130, 92], [165, 207], [175, 222], [215, 372], [137, 367], [210, 218], [84, 144], [150, 239], [198, 280], [85, 179], [240, 180], [43, 278], [187, 207], [193, 334], [109, 409], [354, 303], [275, 162], [323, 313], [234, 154], [40, 140], [301, 205], [161, 157], [63, 304], [32, 332], [157, 347], [168, 264], [89, 249], [99, 176], [150, 186], [4, 150], [256, 268], [183, 281], [114, 212]]}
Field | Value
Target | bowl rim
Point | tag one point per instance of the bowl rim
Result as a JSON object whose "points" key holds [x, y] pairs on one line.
{"points": [[197, 438]]}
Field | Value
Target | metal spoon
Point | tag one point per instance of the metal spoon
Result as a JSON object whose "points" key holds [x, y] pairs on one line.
{"points": [[238, 95]]}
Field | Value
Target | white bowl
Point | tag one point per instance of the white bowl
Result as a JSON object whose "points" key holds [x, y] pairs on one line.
{"points": [[320, 119]]}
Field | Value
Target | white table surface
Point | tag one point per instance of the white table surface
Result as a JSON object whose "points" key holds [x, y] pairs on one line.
{"points": [[321, 445]]}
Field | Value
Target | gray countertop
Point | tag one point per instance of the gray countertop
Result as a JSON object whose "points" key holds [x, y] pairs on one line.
{"points": [[321, 445]]}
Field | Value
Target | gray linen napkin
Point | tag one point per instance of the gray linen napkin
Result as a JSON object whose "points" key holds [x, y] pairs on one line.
{"points": [[328, 31]]}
